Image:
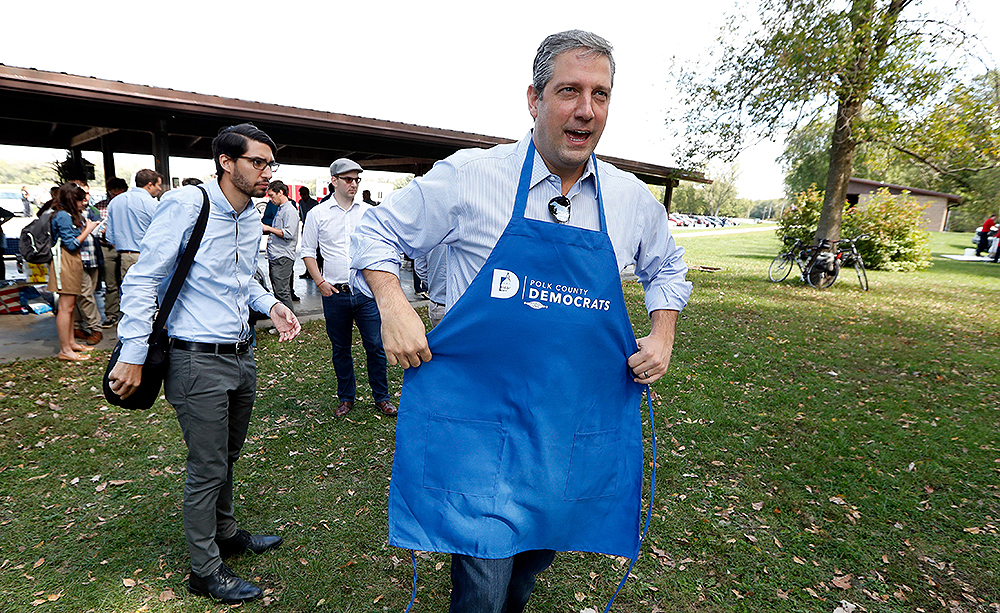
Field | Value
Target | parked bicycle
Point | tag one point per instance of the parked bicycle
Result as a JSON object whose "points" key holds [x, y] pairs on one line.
{"points": [[819, 265], [848, 255]]}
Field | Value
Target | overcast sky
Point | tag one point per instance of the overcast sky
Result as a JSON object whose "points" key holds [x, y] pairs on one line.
{"points": [[458, 65]]}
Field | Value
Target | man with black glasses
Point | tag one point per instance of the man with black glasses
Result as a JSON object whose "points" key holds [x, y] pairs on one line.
{"points": [[212, 378], [518, 433], [329, 227]]}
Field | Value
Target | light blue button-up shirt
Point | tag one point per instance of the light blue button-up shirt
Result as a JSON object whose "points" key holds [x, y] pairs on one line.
{"points": [[129, 215], [466, 201], [213, 305]]}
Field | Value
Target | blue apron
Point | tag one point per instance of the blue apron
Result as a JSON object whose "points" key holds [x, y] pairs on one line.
{"points": [[522, 432]]}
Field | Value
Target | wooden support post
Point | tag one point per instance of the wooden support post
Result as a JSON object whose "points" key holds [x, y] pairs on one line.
{"points": [[109, 160], [668, 193], [161, 153]]}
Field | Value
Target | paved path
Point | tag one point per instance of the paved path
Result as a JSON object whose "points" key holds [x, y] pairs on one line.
{"points": [[27, 337]]}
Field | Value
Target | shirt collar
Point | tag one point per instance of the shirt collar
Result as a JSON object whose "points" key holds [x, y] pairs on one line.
{"points": [[540, 172]]}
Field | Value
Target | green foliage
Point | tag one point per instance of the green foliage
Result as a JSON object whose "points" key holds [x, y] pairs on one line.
{"points": [[896, 241], [800, 218], [23, 173]]}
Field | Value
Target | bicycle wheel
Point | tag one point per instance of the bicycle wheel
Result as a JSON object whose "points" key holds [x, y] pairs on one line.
{"points": [[821, 276], [859, 267], [780, 267]]}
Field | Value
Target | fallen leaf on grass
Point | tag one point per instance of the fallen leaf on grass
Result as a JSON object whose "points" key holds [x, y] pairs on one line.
{"points": [[579, 596], [973, 530], [845, 607], [780, 594], [837, 500], [798, 560], [38, 563], [757, 506], [167, 594], [813, 593], [128, 582], [843, 583]]}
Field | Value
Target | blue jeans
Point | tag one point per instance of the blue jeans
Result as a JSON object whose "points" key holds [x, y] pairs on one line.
{"points": [[342, 311], [495, 586]]}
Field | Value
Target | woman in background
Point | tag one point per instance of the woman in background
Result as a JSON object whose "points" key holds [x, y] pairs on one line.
{"points": [[70, 228]]}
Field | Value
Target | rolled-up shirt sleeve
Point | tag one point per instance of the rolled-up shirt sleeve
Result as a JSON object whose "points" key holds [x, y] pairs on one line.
{"points": [[411, 221], [62, 225], [659, 262]]}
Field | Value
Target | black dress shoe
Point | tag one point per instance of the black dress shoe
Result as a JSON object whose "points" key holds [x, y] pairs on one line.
{"points": [[243, 540], [224, 585]]}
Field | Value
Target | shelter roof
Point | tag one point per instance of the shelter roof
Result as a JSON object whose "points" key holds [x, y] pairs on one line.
{"points": [[57, 110]]}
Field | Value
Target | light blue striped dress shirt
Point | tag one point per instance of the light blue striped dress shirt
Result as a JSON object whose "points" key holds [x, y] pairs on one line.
{"points": [[213, 305], [466, 201], [129, 215]]}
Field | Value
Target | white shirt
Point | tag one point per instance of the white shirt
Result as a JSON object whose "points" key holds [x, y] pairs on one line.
{"points": [[329, 227]]}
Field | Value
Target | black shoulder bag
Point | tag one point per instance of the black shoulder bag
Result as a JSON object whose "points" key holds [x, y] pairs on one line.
{"points": [[154, 369]]}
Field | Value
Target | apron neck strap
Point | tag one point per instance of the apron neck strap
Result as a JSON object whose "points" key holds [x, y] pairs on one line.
{"points": [[524, 184]]}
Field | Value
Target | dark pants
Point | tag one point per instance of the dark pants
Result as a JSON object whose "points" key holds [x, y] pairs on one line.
{"points": [[280, 271], [984, 243], [495, 586], [213, 396], [342, 311]]}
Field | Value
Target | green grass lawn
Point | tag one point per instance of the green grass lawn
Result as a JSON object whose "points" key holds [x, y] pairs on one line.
{"points": [[813, 447]]}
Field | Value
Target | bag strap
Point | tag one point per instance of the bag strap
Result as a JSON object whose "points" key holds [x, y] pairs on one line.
{"points": [[180, 275]]}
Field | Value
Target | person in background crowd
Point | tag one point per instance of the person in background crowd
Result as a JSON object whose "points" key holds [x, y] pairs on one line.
{"points": [[53, 195], [129, 215], [306, 204], [984, 236], [329, 228], [112, 264], [87, 317], [284, 231], [66, 268], [26, 200]]}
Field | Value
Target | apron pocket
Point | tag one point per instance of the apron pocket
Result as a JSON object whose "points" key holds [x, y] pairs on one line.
{"points": [[594, 465], [463, 455]]}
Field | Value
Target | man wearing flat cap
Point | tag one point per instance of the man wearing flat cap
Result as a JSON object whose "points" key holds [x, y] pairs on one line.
{"points": [[329, 227]]}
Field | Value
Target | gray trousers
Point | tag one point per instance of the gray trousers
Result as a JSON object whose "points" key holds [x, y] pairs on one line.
{"points": [[213, 396], [280, 272], [111, 265]]}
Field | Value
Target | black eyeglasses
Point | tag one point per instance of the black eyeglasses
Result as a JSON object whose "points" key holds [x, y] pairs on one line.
{"points": [[355, 180], [260, 163], [559, 208]]}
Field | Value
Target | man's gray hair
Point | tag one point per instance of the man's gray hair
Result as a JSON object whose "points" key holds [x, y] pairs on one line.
{"points": [[556, 44]]}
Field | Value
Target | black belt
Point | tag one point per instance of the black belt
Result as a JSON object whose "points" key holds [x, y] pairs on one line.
{"points": [[343, 288], [218, 348], [126, 251]]}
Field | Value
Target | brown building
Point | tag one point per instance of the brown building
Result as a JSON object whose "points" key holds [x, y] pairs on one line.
{"points": [[934, 218]]}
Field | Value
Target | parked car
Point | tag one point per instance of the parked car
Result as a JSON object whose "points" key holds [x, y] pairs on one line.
{"points": [[10, 199]]}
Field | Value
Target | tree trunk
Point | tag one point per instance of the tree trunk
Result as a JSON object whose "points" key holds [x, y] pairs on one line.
{"points": [[839, 175]]}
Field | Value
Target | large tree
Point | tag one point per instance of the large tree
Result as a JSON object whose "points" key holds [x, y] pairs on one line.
{"points": [[799, 60], [952, 146]]}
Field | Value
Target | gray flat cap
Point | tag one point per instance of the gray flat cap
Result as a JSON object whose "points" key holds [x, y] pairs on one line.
{"points": [[344, 165]]}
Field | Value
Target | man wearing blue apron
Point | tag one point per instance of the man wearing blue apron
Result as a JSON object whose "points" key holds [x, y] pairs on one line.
{"points": [[518, 431]]}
